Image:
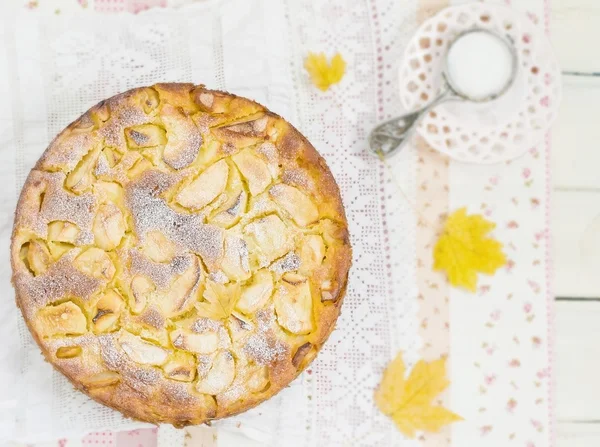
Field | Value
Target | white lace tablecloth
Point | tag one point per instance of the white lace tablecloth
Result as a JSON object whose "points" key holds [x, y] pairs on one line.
{"points": [[56, 65]]}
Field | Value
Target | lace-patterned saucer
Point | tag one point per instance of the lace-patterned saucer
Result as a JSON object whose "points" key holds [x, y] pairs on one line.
{"points": [[494, 131]]}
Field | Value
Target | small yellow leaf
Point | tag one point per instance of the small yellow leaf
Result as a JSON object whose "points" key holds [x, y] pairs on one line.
{"points": [[324, 74], [409, 401], [389, 394], [425, 418], [464, 249], [219, 300], [425, 382]]}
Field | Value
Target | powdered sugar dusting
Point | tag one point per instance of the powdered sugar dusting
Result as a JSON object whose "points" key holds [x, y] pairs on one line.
{"points": [[228, 148], [205, 324], [218, 277], [261, 205], [113, 357], [288, 263], [237, 206], [187, 150], [204, 364], [179, 391], [244, 325], [67, 149], [138, 138], [153, 318], [60, 204], [266, 318], [160, 274], [265, 348], [203, 122], [297, 177], [140, 378], [102, 167], [224, 338], [150, 212], [60, 280], [183, 137], [123, 115], [118, 173], [236, 248], [233, 393], [269, 151]]}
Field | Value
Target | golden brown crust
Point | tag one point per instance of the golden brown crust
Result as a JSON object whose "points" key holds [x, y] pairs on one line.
{"points": [[180, 254]]}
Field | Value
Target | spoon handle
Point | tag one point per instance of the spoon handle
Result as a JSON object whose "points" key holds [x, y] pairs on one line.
{"points": [[388, 137]]}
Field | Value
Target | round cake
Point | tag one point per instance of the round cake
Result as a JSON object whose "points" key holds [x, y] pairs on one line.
{"points": [[180, 254]]}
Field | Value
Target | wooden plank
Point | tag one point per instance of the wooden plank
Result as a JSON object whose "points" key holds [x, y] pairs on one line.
{"points": [[576, 135], [575, 33], [576, 364], [578, 434], [576, 243]]}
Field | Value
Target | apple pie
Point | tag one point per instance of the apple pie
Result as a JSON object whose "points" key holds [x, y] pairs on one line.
{"points": [[180, 254]]}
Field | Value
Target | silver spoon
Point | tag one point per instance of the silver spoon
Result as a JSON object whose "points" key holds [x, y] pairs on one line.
{"points": [[390, 136]]}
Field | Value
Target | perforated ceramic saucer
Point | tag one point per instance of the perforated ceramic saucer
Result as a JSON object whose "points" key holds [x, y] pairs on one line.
{"points": [[498, 130]]}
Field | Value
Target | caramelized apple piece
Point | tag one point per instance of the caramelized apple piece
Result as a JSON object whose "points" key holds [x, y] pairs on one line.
{"points": [[101, 380], [180, 297], [96, 263], [181, 366], [205, 342], [62, 319], [141, 351], [204, 189], [80, 179], [235, 262], [183, 138], [219, 376], [68, 352], [109, 226], [62, 231], [255, 295], [157, 247], [312, 252], [145, 135], [271, 238], [141, 288], [107, 312], [38, 257], [293, 304], [297, 204], [254, 169]]}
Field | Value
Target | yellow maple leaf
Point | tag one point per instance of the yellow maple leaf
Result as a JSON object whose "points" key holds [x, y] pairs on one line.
{"points": [[219, 300], [322, 73], [409, 401], [464, 249]]}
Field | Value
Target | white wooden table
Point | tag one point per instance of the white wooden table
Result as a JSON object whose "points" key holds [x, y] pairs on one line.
{"points": [[576, 223]]}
